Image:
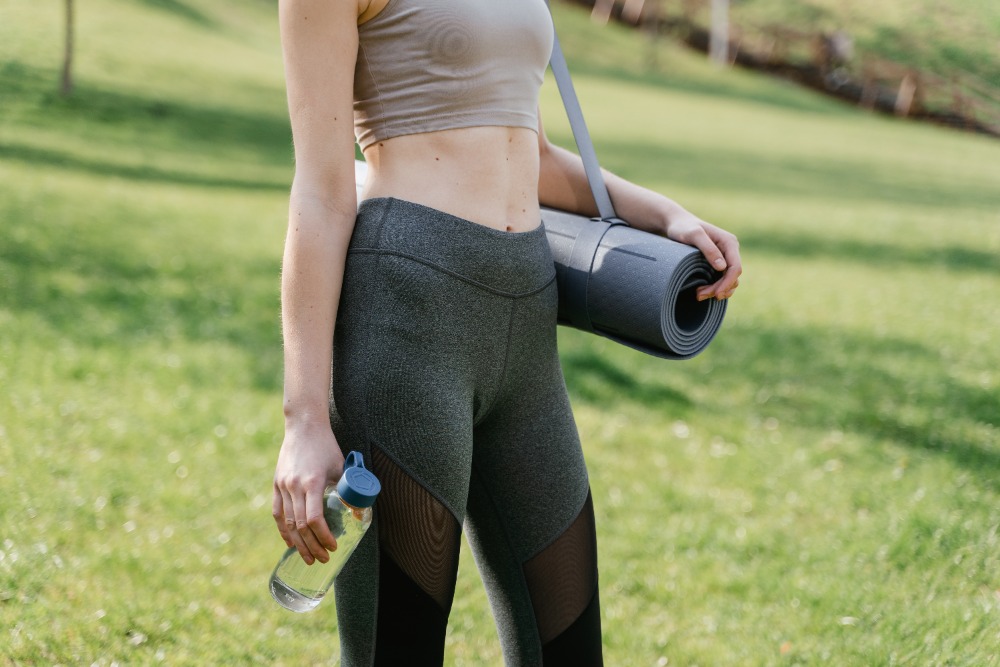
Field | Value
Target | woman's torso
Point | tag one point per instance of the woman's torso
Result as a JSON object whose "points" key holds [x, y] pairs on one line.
{"points": [[482, 170]]}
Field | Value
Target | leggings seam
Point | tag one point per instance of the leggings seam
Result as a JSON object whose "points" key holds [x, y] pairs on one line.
{"points": [[366, 400], [418, 480], [503, 370], [590, 601], [367, 388], [513, 552], [437, 267], [563, 529]]}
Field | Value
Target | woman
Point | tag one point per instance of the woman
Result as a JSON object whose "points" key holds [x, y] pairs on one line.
{"points": [[440, 289]]}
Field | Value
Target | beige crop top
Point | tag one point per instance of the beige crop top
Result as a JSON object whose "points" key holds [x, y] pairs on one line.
{"points": [[426, 65]]}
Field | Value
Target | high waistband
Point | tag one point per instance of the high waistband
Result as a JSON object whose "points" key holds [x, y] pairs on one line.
{"points": [[509, 263]]}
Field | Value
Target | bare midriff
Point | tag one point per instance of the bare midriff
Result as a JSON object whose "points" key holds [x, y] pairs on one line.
{"points": [[488, 175]]}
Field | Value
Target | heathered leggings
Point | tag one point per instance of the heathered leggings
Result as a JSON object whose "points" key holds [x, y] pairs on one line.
{"points": [[446, 378]]}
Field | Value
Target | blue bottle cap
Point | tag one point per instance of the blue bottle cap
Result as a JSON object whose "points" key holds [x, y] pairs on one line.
{"points": [[358, 487]]}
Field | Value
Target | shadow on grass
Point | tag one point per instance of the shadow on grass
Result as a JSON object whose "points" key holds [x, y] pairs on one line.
{"points": [[148, 173], [89, 283], [182, 10], [771, 95], [831, 180], [111, 117], [889, 389], [882, 255], [595, 379]]}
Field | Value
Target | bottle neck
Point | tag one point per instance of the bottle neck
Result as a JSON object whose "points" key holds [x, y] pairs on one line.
{"points": [[350, 506]]}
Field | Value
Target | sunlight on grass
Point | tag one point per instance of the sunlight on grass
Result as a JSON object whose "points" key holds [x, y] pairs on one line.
{"points": [[819, 487]]}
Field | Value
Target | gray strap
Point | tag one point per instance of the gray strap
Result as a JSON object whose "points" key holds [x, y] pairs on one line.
{"points": [[580, 134], [576, 278], [575, 284]]}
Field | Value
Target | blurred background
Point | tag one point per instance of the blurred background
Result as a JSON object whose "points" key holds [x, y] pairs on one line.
{"points": [[929, 60], [820, 486]]}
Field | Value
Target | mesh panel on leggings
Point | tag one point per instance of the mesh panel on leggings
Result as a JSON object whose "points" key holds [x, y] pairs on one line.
{"points": [[562, 578], [417, 531]]}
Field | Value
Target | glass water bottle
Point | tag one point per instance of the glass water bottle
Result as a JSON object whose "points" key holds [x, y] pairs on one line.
{"points": [[347, 508]]}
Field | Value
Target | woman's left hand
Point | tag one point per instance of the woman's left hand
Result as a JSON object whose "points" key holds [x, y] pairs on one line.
{"points": [[721, 248]]}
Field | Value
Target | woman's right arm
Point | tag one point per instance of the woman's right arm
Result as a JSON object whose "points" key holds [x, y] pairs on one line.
{"points": [[319, 41]]}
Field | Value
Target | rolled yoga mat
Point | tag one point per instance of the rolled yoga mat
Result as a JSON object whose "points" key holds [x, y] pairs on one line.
{"points": [[639, 289]]}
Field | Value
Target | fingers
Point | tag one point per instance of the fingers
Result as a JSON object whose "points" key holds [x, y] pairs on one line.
{"points": [[278, 513], [316, 524], [722, 250], [298, 514], [288, 525], [722, 289], [711, 251]]}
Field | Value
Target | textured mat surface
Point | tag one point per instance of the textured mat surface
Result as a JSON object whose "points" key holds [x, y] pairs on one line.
{"points": [[641, 290]]}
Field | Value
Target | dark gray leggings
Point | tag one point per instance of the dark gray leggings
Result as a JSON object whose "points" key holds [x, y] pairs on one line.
{"points": [[446, 378]]}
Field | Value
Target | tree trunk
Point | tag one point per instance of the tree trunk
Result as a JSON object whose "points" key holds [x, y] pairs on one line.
{"points": [[719, 45], [67, 73]]}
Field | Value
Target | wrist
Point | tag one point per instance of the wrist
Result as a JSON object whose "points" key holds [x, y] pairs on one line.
{"points": [[305, 417], [651, 212], [670, 211]]}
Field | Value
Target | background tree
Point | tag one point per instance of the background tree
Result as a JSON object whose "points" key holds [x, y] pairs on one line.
{"points": [[719, 44]]}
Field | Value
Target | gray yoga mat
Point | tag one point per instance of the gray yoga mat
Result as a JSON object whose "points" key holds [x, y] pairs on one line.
{"points": [[641, 288]]}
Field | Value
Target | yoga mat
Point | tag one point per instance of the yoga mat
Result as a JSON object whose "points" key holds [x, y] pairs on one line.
{"points": [[641, 287]]}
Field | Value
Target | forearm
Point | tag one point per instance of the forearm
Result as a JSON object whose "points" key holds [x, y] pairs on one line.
{"points": [[563, 184], [311, 280]]}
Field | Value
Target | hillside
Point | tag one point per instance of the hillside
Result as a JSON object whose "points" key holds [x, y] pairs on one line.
{"points": [[940, 36], [932, 59]]}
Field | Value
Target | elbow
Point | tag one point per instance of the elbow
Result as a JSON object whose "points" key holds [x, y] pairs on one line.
{"points": [[336, 196], [544, 148], [548, 162]]}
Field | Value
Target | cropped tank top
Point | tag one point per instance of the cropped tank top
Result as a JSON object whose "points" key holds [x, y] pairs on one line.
{"points": [[427, 65]]}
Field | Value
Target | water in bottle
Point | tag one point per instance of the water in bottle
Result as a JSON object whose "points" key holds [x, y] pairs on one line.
{"points": [[347, 508]]}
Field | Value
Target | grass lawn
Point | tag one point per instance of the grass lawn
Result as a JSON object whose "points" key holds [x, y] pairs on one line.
{"points": [[821, 486]]}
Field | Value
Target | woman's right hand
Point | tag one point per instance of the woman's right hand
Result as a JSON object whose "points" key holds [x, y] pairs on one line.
{"points": [[309, 461], [319, 41]]}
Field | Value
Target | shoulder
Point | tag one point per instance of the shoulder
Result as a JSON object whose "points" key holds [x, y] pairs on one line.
{"points": [[313, 30], [346, 13]]}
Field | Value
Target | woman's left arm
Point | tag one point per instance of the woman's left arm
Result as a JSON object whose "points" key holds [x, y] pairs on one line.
{"points": [[562, 184]]}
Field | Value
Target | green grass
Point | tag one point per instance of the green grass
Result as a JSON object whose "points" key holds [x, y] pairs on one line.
{"points": [[819, 487]]}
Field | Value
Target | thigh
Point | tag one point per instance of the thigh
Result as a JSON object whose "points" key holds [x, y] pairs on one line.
{"points": [[402, 398], [528, 459], [527, 450], [530, 522], [400, 381], [530, 519]]}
